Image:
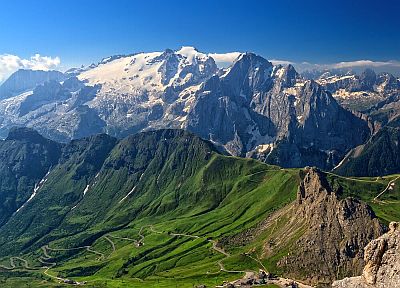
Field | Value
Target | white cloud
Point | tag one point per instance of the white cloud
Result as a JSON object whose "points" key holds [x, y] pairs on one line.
{"points": [[11, 63], [224, 59], [280, 62], [365, 63], [358, 64]]}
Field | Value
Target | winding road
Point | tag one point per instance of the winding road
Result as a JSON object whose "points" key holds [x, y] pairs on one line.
{"points": [[389, 185], [352, 179]]}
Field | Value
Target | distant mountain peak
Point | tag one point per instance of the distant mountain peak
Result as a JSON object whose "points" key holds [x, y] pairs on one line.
{"points": [[25, 80]]}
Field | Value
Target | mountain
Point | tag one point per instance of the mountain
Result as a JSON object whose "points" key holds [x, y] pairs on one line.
{"points": [[120, 95], [252, 108], [26, 80], [379, 156], [163, 208], [26, 157], [360, 92], [295, 239], [272, 114], [386, 111], [55, 110]]}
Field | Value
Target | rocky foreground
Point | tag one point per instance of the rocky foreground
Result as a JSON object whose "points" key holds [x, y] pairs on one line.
{"points": [[382, 258]]}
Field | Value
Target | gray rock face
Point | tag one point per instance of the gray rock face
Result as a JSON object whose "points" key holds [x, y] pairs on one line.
{"points": [[252, 108], [254, 103], [380, 155], [382, 258], [24, 80], [57, 111]]}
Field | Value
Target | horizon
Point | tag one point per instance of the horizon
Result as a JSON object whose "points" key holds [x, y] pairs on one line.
{"points": [[306, 34], [223, 60]]}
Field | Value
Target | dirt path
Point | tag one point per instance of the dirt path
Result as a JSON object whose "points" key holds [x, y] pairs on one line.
{"points": [[213, 247], [152, 229], [112, 244], [14, 266], [46, 272], [88, 248], [258, 261], [122, 238], [389, 185], [219, 250], [49, 265], [184, 235]]}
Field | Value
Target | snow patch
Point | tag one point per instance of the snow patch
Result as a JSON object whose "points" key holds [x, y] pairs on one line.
{"points": [[132, 190], [86, 190], [35, 191]]}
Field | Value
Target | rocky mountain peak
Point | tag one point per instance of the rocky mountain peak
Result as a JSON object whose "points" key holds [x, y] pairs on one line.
{"points": [[348, 223], [249, 61], [367, 80], [248, 72], [286, 75]]}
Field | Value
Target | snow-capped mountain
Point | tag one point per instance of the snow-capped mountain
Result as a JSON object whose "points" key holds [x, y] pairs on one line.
{"points": [[251, 108], [148, 88]]}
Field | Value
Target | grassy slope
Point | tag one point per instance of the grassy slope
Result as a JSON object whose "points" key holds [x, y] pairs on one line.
{"points": [[24, 160], [165, 261], [252, 190], [182, 186]]}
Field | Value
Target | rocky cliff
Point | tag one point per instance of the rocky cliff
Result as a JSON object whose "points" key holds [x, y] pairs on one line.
{"points": [[382, 258], [336, 231]]}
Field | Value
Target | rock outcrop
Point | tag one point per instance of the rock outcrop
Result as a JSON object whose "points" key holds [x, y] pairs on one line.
{"points": [[336, 231], [382, 258]]}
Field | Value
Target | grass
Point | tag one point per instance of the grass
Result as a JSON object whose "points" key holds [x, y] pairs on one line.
{"points": [[171, 261], [165, 261], [180, 187]]}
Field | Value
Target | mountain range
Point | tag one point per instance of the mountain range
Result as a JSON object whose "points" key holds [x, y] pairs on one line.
{"points": [[252, 108]]}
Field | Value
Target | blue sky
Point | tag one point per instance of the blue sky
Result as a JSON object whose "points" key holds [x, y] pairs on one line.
{"points": [[81, 32]]}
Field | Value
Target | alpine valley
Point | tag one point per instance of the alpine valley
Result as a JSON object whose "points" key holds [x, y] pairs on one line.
{"points": [[164, 170]]}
